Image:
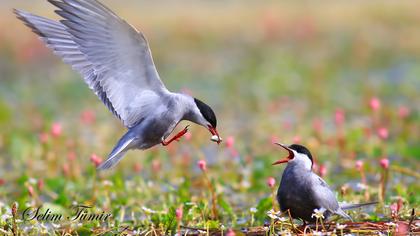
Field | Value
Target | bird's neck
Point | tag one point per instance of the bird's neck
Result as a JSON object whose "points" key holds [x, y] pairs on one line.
{"points": [[189, 108]]}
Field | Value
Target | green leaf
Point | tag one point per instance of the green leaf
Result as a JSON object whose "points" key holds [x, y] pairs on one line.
{"points": [[225, 205], [263, 206]]}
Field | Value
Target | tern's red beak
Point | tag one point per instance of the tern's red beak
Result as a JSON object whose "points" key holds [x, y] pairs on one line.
{"points": [[213, 131], [288, 158]]}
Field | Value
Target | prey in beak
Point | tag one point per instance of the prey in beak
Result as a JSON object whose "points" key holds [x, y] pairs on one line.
{"points": [[288, 158], [215, 138]]}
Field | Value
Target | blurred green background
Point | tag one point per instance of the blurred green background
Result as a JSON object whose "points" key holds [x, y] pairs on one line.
{"points": [[271, 71]]}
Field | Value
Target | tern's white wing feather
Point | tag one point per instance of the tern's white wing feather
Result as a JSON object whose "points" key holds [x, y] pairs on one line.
{"points": [[114, 58]]}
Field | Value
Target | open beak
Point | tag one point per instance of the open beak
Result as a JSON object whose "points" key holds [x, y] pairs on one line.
{"points": [[288, 158], [213, 131]]}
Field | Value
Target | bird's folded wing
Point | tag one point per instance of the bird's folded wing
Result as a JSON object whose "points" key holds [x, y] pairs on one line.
{"points": [[324, 195], [114, 58]]}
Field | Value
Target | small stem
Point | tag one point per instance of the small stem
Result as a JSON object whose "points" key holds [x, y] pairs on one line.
{"points": [[322, 223], [273, 199], [213, 196], [384, 179], [14, 213]]}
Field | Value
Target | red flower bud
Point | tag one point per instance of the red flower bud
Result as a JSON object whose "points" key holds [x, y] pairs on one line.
{"points": [[271, 182], [384, 162], [202, 165], [179, 213], [375, 104]]}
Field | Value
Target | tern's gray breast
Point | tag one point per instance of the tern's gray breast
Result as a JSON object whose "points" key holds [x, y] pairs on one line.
{"points": [[296, 193]]}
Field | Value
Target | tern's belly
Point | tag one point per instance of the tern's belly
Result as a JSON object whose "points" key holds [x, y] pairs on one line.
{"points": [[296, 197], [150, 132]]}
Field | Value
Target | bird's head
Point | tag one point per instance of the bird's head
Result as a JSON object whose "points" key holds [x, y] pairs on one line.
{"points": [[206, 117], [297, 154]]}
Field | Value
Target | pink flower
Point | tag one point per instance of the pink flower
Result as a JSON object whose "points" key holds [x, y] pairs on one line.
{"points": [[296, 139], [56, 129], [403, 112], [40, 184], [322, 170], [339, 117], [43, 137], [375, 103], [66, 169], [274, 139], [96, 160], [234, 152], [359, 165], [137, 167], [384, 162], [230, 232], [317, 125], [71, 156], [179, 213], [230, 140], [202, 165], [187, 136], [394, 208], [2, 182], [383, 133], [271, 182], [88, 117], [30, 190], [156, 166], [315, 167]]}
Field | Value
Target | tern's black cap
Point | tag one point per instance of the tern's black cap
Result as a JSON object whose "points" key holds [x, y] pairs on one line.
{"points": [[207, 112], [301, 149]]}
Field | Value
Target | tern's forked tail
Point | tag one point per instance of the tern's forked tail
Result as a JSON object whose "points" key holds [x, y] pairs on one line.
{"points": [[123, 145], [349, 206]]}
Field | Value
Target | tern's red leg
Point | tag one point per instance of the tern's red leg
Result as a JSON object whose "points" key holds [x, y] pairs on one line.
{"points": [[176, 137]]}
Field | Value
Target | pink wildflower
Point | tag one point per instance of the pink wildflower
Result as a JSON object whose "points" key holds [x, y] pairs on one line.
{"points": [[271, 182], [359, 165], [30, 190], [375, 103], [43, 137], [188, 136], [56, 129], [230, 232], [40, 184], [202, 165], [71, 156], [322, 170], [179, 213], [339, 117], [384, 162], [383, 133], [137, 167], [96, 160], [403, 112], [230, 140], [88, 117]]}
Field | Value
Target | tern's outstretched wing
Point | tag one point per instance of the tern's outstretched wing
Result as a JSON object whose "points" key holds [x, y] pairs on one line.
{"points": [[113, 58]]}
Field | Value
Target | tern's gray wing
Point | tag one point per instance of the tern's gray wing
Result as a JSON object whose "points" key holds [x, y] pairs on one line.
{"points": [[323, 195], [56, 37], [114, 58]]}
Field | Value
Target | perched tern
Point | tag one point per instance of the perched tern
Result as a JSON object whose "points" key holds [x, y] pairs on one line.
{"points": [[301, 191]]}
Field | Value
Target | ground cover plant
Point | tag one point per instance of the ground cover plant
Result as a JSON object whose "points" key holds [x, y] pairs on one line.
{"points": [[341, 79]]}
